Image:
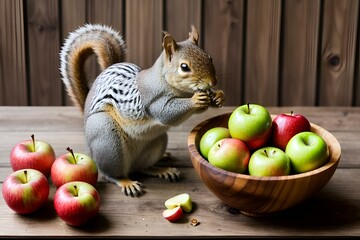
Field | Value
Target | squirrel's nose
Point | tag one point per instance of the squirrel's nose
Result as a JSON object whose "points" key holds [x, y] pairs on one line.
{"points": [[212, 82], [207, 83]]}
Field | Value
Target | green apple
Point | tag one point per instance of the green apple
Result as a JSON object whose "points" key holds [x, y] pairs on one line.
{"points": [[269, 161], [210, 137], [307, 151], [251, 123], [182, 200], [230, 154]]}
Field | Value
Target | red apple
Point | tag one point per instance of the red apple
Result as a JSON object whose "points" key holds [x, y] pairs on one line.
{"points": [[74, 167], [33, 154], [173, 214], [76, 203], [230, 154], [285, 126], [26, 190]]}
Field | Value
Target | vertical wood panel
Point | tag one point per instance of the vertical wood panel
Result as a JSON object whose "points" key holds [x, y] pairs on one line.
{"points": [[144, 28], [357, 67], [106, 12], [73, 15], [77, 13], [223, 39], [13, 85], [299, 50], [262, 52], [43, 44], [180, 15], [338, 52]]}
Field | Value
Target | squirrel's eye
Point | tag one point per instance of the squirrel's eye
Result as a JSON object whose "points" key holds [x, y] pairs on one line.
{"points": [[185, 67]]}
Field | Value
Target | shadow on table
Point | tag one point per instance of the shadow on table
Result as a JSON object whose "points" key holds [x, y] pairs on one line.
{"points": [[325, 211]]}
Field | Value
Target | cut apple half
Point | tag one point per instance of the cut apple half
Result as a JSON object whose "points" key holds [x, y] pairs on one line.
{"points": [[173, 214], [182, 200]]}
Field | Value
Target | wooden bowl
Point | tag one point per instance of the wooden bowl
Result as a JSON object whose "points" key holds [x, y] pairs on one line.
{"points": [[257, 196]]}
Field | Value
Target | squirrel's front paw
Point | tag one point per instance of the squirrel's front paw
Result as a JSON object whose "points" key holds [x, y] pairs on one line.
{"points": [[217, 98], [201, 99]]}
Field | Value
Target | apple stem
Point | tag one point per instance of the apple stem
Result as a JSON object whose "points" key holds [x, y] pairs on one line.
{"points": [[26, 179], [72, 153], [33, 140], [291, 113], [76, 190], [266, 152], [248, 105]]}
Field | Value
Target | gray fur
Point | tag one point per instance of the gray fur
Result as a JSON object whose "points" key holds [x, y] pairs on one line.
{"points": [[128, 111]]}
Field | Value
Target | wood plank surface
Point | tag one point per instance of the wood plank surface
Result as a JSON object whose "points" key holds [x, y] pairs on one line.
{"points": [[279, 53], [224, 42], [43, 47], [73, 16], [108, 12], [339, 34], [299, 49], [333, 212], [13, 82], [144, 26], [180, 15], [261, 52]]}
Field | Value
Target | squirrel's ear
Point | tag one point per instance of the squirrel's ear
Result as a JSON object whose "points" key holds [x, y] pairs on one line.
{"points": [[193, 35], [169, 45]]}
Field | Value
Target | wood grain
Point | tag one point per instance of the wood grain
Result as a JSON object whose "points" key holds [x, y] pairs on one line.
{"points": [[73, 16], [180, 15], [260, 196], [43, 47], [122, 217], [108, 12], [13, 82], [261, 54], [338, 50], [299, 48], [277, 53], [144, 28], [223, 39]]}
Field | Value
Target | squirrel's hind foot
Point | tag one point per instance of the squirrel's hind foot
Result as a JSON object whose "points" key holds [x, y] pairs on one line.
{"points": [[128, 187], [169, 173]]}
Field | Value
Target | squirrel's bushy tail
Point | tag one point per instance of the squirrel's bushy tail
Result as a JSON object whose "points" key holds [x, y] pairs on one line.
{"points": [[106, 43]]}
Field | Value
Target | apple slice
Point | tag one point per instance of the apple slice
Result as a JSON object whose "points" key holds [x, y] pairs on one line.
{"points": [[182, 200], [173, 214]]}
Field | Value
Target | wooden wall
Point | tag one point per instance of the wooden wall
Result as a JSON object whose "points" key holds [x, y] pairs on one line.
{"points": [[272, 52]]}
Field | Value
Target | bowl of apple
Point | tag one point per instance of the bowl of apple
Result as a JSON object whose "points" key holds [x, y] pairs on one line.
{"points": [[243, 159]]}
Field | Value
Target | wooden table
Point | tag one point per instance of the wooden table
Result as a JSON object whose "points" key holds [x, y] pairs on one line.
{"points": [[333, 212]]}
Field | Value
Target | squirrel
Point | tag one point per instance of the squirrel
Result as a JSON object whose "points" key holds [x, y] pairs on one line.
{"points": [[128, 110]]}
